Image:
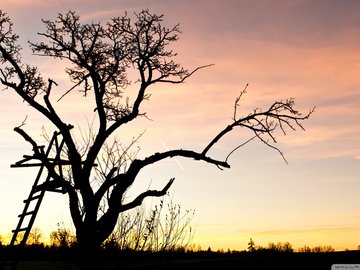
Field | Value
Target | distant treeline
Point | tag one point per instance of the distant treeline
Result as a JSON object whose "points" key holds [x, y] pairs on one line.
{"points": [[287, 247], [63, 241], [275, 256]]}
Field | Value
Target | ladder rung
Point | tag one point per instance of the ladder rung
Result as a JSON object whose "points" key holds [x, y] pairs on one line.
{"points": [[20, 230], [26, 214], [26, 165], [32, 198]]}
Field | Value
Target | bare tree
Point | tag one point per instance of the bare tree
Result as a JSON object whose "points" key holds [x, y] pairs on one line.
{"points": [[100, 57]]}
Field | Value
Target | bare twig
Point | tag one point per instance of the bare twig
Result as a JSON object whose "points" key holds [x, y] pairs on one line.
{"points": [[237, 101], [239, 146], [23, 123]]}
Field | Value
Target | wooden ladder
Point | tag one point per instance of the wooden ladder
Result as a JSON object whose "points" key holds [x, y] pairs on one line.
{"points": [[36, 195]]}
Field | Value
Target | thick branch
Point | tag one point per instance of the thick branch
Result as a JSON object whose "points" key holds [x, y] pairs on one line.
{"points": [[47, 99], [109, 219], [182, 153], [149, 193], [15, 65], [28, 139]]}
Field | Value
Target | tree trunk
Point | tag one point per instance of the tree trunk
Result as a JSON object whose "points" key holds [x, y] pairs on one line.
{"points": [[90, 236], [89, 249]]}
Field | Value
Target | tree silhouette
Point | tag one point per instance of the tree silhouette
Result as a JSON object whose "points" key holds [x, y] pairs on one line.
{"points": [[100, 57], [251, 246]]}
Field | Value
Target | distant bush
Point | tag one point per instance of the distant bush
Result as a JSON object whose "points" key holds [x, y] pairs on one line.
{"points": [[323, 249], [62, 237], [305, 249], [316, 249], [287, 247], [35, 237], [280, 247]]}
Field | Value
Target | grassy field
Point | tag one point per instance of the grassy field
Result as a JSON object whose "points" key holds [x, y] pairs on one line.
{"points": [[51, 260]]}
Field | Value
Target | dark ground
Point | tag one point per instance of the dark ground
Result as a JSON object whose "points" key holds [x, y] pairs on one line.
{"points": [[65, 259], [276, 261]]}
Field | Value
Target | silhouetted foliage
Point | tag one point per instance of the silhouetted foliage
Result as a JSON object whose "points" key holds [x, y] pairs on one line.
{"points": [[164, 228], [62, 237], [319, 249], [270, 257], [251, 245], [280, 247], [100, 57], [287, 247], [305, 249], [35, 237]]}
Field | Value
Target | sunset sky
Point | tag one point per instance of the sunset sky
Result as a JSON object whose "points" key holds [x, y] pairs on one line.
{"points": [[306, 49]]}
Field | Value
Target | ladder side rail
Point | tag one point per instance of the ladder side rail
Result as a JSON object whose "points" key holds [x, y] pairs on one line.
{"points": [[33, 216], [26, 207]]}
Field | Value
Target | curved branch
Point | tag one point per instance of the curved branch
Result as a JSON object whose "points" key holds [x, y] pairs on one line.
{"points": [[149, 193], [280, 113], [181, 153], [239, 146], [126, 180], [28, 139], [183, 76], [109, 219]]}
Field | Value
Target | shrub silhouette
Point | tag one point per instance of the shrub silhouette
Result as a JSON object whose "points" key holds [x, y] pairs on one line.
{"points": [[164, 227], [62, 237]]}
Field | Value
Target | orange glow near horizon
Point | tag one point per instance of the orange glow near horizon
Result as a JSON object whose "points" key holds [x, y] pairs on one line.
{"points": [[304, 49]]}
